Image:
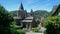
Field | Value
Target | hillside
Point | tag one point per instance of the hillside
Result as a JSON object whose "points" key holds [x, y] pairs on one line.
{"points": [[37, 14], [14, 13], [40, 13]]}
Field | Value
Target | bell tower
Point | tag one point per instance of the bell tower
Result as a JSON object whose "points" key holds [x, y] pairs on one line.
{"points": [[21, 6], [31, 13], [21, 12]]}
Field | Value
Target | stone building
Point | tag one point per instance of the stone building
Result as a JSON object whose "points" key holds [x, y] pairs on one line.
{"points": [[23, 20], [21, 13]]}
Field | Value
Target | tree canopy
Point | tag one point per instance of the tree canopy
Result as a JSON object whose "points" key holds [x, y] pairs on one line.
{"points": [[5, 20], [52, 25]]}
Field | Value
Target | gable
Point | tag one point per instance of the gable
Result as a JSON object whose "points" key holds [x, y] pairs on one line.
{"points": [[56, 10]]}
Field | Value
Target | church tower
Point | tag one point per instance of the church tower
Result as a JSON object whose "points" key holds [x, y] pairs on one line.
{"points": [[31, 13], [21, 12], [21, 7], [26, 14]]}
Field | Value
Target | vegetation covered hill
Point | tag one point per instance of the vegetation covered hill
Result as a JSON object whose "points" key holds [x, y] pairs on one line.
{"points": [[40, 13], [37, 13], [14, 13]]}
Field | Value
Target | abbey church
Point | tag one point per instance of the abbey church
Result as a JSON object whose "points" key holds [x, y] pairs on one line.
{"points": [[23, 20]]}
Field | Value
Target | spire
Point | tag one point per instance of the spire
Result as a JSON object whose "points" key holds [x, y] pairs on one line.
{"points": [[26, 14], [21, 6], [31, 13], [25, 11]]}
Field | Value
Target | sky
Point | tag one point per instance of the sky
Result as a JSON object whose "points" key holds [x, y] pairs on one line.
{"points": [[12, 5]]}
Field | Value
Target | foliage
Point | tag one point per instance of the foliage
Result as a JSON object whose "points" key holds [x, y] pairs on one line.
{"points": [[12, 28], [5, 21], [14, 13], [21, 31], [36, 29], [52, 25], [40, 13]]}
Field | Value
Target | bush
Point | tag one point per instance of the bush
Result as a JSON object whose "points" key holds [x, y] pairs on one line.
{"points": [[12, 28], [52, 25], [21, 31], [36, 30]]}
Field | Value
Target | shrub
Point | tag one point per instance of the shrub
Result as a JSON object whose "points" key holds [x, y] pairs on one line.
{"points": [[20, 31], [36, 29], [12, 28], [52, 25]]}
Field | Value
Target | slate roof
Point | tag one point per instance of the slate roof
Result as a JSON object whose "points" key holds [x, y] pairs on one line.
{"points": [[17, 17], [54, 9], [28, 19]]}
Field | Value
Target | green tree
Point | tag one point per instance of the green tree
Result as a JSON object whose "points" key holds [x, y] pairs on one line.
{"points": [[5, 21], [52, 25]]}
